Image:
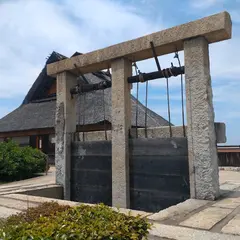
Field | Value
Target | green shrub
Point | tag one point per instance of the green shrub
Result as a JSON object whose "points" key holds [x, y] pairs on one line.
{"points": [[31, 214], [82, 222], [18, 163]]}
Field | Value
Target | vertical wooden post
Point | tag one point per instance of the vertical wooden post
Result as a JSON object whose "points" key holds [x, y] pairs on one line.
{"points": [[121, 123]]}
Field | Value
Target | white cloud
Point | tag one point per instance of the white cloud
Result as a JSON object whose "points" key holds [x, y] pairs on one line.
{"points": [[205, 3], [5, 110], [29, 35], [235, 15], [30, 30]]}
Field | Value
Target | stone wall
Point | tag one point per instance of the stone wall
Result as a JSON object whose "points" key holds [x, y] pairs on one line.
{"points": [[156, 132]]}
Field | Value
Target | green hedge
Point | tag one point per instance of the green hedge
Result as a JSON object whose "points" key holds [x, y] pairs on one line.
{"points": [[18, 163], [78, 223]]}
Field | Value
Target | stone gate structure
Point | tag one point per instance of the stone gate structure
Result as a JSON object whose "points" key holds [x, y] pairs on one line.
{"points": [[194, 38]]}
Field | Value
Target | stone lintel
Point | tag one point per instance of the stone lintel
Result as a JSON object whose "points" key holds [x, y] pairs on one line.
{"points": [[214, 28]]}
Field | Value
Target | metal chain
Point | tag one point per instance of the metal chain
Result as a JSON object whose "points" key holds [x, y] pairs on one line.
{"points": [[146, 105], [169, 110], [136, 71], [79, 116], [104, 114], [110, 76], [83, 127], [182, 100], [166, 75]]}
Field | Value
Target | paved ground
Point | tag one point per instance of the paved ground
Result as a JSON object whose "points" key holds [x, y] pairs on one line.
{"points": [[192, 219], [41, 180]]}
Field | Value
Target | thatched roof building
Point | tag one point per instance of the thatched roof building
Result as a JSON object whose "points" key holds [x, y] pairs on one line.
{"points": [[35, 117]]}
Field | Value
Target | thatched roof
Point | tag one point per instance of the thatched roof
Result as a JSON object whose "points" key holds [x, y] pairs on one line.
{"points": [[37, 111]]}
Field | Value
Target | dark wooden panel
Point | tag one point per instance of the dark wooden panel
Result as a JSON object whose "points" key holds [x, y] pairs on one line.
{"points": [[177, 184], [154, 201], [229, 159], [158, 146], [158, 172], [167, 165], [97, 148], [91, 162], [91, 194], [92, 177]]}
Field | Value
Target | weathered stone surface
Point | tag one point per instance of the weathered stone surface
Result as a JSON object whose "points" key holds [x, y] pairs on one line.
{"points": [[121, 123], [133, 213], [203, 158], [227, 168], [152, 132], [65, 126], [207, 218], [36, 199], [229, 186], [16, 204], [233, 226], [6, 212], [22, 198], [228, 203], [182, 233], [214, 28], [180, 209]]}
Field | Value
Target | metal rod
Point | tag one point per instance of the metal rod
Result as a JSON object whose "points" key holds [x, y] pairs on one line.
{"points": [[79, 116], [166, 73], [80, 73], [146, 105], [137, 111], [182, 100], [104, 116], [84, 117], [83, 88], [136, 71], [174, 71], [169, 111], [155, 56], [183, 117]]}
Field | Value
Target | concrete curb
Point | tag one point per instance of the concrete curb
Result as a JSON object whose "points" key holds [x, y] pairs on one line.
{"points": [[235, 169], [182, 233]]}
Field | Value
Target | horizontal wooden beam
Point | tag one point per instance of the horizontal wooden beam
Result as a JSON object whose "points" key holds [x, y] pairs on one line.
{"points": [[44, 131], [214, 28]]}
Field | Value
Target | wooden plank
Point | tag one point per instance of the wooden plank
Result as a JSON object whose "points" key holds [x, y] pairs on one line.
{"points": [[158, 147], [214, 28], [94, 148]]}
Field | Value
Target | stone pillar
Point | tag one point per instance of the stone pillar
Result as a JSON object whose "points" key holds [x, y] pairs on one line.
{"points": [[65, 126], [203, 158], [121, 123]]}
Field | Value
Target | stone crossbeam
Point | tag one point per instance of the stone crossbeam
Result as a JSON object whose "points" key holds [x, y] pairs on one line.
{"points": [[214, 28]]}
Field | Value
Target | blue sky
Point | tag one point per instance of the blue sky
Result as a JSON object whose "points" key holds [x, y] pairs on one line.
{"points": [[32, 29]]}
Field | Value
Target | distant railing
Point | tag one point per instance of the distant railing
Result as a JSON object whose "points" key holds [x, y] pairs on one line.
{"points": [[229, 155]]}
